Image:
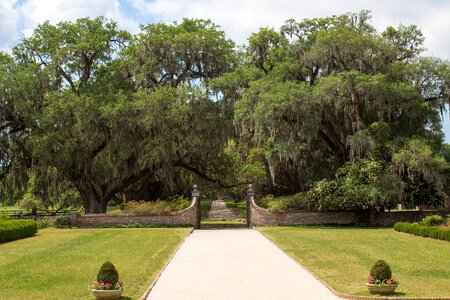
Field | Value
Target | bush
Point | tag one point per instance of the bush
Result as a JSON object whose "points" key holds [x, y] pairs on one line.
{"points": [[179, 203], [146, 208], [264, 201], [156, 207], [425, 231], [43, 223], [62, 222], [381, 271], [433, 220], [108, 273], [290, 203], [11, 230], [4, 215]]}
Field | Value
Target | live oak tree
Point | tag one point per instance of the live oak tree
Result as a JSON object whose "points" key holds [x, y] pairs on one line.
{"points": [[88, 109], [22, 89], [317, 104], [102, 126]]}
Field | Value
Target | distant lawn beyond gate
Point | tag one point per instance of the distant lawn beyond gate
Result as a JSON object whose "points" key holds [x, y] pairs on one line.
{"points": [[342, 257], [63, 263]]}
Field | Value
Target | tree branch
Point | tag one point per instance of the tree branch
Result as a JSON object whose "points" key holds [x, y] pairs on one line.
{"points": [[208, 178]]}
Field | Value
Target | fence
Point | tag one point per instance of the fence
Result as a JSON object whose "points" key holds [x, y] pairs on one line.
{"points": [[38, 214]]}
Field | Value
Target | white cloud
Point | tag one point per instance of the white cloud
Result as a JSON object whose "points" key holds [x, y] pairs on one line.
{"points": [[9, 19], [34, 12], [436, 31], [239, 18]]}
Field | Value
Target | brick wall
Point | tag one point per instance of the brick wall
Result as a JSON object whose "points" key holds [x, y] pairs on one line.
{"points": [[389, 219], [186, 216], [261, 217]]}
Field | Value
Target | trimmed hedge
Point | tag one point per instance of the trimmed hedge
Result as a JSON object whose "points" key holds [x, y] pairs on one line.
{"points": [[11, 230], [432, 232]]}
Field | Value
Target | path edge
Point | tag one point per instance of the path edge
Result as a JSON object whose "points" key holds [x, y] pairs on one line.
{"points": [[332, 290], [147, 292]]}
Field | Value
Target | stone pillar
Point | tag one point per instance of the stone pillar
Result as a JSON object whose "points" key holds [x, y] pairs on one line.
{"points": [[250, 198], [196, 198]]}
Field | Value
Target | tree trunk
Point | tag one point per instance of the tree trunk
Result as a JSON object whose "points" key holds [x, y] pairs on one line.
{"points": [[95, 196], [94, 203]]}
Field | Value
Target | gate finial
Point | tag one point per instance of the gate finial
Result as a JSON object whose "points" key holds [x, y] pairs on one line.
{"points": [[195, 192]]}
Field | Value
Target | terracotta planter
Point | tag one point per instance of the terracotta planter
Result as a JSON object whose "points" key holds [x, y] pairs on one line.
{"points": [[381, 289], [107, 294]]}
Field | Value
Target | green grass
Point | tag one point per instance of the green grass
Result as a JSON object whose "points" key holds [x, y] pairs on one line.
{"points": [[113, 209], [342, 257], [240, 207], [63, 263], [205, 206]]}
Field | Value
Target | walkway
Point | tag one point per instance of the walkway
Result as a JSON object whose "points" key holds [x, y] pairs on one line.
{"points": [[237, 264], [220, 212]]}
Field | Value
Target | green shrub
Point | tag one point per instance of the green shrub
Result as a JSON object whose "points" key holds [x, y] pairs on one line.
{"points": [[381, 271], [43, 223], [108, 273], [146, 208], [294, 202], [62, 222], [264, 201], [425, 231], [4, 215], [179, 203], [433, 220], [290, 203], [156, 207], [11, 230]]}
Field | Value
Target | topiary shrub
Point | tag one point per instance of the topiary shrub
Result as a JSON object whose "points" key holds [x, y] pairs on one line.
{"points": [[108, 273], [426, 231], [381, 271], [433, 220], [11, 230]]}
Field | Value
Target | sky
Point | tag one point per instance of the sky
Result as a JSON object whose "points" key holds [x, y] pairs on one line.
{"points": [[238, 18]]}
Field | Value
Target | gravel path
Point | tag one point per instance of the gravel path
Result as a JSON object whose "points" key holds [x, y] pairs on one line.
{"points": [[220, 212], [235, 264]]}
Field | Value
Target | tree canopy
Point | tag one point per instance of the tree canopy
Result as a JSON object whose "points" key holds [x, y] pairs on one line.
{"points": [[326, 105]]}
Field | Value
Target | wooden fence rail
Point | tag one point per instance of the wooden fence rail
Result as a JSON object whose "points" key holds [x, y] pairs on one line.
{"points": [[21, 214]]}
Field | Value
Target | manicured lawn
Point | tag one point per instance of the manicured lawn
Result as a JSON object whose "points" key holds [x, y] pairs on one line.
{"points": [[62, 263], [342, 257], [240, 207]]}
